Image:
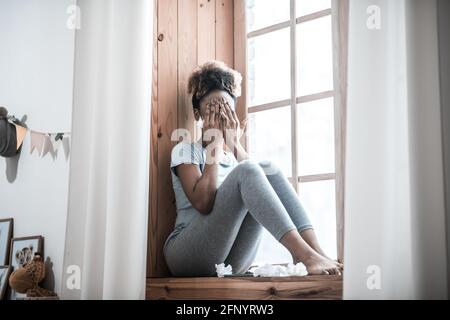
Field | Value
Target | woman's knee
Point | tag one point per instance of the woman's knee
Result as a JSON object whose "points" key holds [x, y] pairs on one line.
{"points": [[249, 168], [253, 168], [269, 167]]}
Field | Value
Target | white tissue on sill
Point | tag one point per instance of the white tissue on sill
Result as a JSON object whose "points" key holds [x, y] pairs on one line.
{"points": [[221, 270], [269, 270]]}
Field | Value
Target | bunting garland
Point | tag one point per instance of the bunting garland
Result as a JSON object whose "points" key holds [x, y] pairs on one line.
{"points": [[42, 143], [49, 143]]}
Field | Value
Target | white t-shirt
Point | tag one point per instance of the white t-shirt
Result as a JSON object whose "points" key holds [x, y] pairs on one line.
{"points": [[193, 153]]}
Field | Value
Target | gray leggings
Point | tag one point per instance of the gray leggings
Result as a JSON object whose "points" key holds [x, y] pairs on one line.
{"points": [[251, 197]]}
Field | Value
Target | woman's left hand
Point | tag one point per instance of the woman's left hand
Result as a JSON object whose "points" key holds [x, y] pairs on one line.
{"points": [[232, 130], [231, 124]]}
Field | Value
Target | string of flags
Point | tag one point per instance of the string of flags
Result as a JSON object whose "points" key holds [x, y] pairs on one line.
{"points": [[49, 143], [13, 132]]}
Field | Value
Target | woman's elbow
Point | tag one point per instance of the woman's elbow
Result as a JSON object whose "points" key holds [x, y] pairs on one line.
{"points": [[204, 206], [204, 211]]}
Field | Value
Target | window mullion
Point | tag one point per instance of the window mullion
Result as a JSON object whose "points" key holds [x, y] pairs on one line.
{"points": [[294, 113]]}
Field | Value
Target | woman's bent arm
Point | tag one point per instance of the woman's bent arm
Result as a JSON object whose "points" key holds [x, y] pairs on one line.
{"points": [[199, 188]]}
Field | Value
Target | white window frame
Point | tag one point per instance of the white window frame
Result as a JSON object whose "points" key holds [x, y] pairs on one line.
{"points": [[339, 17]]}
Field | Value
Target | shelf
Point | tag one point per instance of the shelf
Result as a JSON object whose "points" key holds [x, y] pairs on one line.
{"points": [[245, 288]]}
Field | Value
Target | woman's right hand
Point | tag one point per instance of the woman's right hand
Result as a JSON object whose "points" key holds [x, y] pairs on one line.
{"points": [[212, 124]]}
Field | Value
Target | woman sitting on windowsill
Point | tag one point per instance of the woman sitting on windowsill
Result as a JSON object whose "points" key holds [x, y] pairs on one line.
{"points": [[223, 204]]}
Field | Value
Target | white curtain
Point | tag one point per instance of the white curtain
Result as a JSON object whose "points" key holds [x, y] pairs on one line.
{"points": [[108, 199], [395, 240]]}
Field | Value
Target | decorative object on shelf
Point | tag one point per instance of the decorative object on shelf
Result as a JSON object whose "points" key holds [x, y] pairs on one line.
{"points": [[12, 134], [6, 231], [22, 252], [26, 279], [5, 272]]}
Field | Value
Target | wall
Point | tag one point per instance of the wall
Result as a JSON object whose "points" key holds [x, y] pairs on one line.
{"points": [[188, 33], [36, 75]]}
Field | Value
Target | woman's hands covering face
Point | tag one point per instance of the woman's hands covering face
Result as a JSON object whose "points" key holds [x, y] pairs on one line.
{"points": [[212, 116], [212, 126], [230, 121], [219, 115]]}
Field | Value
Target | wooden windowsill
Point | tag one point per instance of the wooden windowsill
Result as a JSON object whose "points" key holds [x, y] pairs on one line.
{"points": [[245, 288]]}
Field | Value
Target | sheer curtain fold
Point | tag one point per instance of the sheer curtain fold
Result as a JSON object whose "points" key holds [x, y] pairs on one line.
{"points": [[106, 234], [395, 237]]}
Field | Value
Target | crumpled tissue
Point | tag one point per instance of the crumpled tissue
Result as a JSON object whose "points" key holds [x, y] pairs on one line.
{"points": [[221, 270], [269, 270]]}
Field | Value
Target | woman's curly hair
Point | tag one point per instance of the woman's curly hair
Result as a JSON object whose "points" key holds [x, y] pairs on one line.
{"points": [[214, 75]]}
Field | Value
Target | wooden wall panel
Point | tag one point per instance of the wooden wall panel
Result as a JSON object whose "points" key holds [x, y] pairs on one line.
{"points": [[206, 24], [225, 31], [187, 61], [153, 203], [188, 33], [162, 219]]}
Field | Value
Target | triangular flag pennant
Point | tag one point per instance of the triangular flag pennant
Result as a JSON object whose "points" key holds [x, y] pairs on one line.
{"points": [[66, 145], [21, 133], [36, 141], [56, 140], [48, 146]]}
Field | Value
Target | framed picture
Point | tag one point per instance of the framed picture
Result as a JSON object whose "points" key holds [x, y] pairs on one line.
{"points": [[22, 251], [5, 272], [6, 231]]}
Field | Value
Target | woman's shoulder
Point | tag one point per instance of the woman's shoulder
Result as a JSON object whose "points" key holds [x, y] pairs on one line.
{"points": [[187, 152], [190, 146]]}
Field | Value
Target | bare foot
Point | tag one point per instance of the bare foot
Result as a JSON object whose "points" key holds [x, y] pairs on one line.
{"points": [[338, 264], [335, 262], [317, 264]]}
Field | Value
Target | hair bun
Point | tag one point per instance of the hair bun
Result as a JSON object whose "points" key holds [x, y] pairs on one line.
{"points": [[213, 74]]}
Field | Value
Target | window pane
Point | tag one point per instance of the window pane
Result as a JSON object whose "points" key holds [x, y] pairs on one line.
{"points": [[318, 199], [269, 69], [316, 137], [271, 251], [270, 137], [305, 7], [264, 13], [314, 56]]}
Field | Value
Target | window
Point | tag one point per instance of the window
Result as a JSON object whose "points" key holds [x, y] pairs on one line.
{"points": [[291, 93]]}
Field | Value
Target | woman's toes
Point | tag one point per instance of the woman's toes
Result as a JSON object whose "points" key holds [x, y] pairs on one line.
{"points": [[334, 271]]}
